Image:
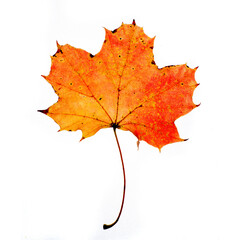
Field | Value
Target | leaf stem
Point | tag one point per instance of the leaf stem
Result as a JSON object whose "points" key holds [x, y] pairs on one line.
{"points": [[106, 226]]}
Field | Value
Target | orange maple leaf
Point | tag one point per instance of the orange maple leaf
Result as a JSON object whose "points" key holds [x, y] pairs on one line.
{"points": [[120, 87]]}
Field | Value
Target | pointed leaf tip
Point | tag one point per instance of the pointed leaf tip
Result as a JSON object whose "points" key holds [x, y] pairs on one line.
{"points": [[133, 22], [59, 50], [197, 105], [82, 139], [43, 111], [58, 45], [138, 143]]}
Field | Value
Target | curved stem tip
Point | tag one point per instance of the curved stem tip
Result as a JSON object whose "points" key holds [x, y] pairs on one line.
{"points": [[106, 226]]}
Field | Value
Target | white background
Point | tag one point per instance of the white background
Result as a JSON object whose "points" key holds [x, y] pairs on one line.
{"points": [[54, 188]]}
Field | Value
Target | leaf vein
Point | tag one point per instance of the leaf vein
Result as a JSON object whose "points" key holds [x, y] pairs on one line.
{"points": [[124, 66], [83, 116]]}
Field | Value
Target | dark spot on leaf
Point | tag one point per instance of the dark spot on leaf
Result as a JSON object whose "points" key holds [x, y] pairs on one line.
{"points": [[120, 38], [91, 56], [151, 47], [100, 99], [170, 66], [114, 31], [105, 41], [182, 83], [153, 62], [71, 83], [70, 130], [119, 55], [61, 60]]}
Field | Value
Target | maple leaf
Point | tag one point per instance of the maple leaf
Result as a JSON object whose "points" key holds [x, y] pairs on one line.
{"points": [[120, 87]]}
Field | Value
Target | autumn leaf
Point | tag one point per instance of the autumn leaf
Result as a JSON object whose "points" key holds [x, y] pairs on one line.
{"points": [[120, 87]]}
